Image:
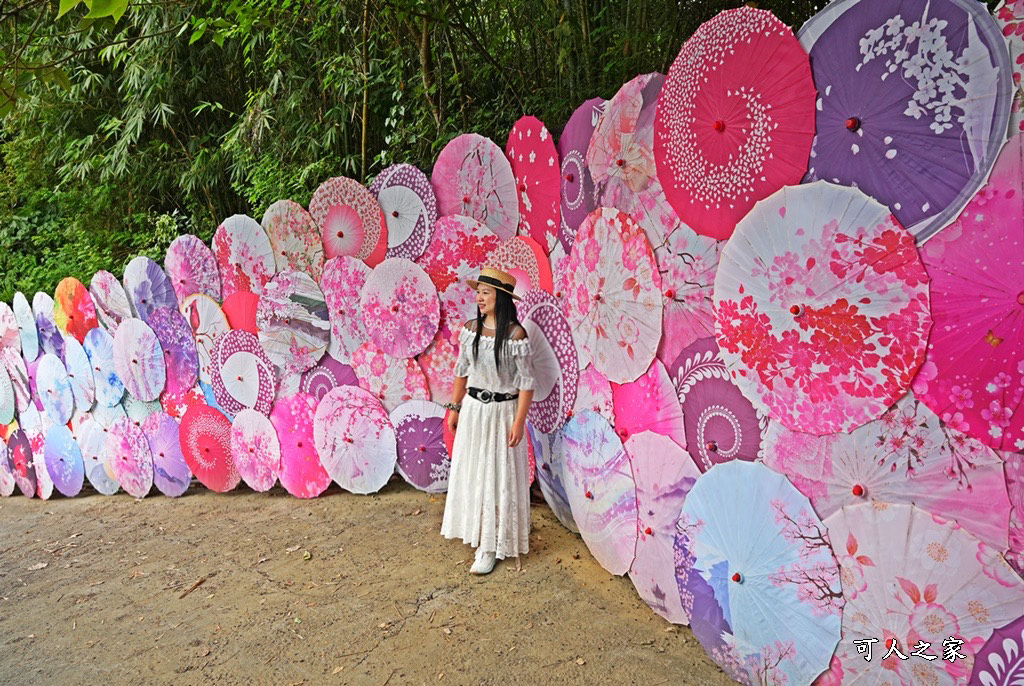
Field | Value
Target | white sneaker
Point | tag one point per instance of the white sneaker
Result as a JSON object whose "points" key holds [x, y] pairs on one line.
{"points": [[484, 563]]}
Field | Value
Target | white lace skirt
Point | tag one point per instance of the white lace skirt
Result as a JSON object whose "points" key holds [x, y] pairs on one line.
{"points": [[488, 502]]}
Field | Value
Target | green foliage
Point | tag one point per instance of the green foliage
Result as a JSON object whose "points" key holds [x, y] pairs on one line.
{"points": [[135, 121]]}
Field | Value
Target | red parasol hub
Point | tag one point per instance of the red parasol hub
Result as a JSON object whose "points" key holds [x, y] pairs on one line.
{"points": [[719, 126], [853, 123], [858, 490], [737, 577]]}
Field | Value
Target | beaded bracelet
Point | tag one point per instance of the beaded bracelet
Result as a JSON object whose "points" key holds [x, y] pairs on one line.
{"points": [[454, 407]]}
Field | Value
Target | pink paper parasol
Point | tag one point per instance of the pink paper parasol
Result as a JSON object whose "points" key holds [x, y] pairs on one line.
{"points": [[821, 308], [245, 259], [614, 302], [735, 119], [177, 404], [719, 423], [205, 435], [595, 394], [171, 474], [649, 404], [129, 458], [301, 474], [438, 364], [342, 282], [255, 449], [524, 259], [192, 268], [907, 456], [292, 321], [473, 178], [688, 263], [534, 159], [423, 457], [139, 360], [73, 309], [410, 209], [456, 252], [599, 485], [555, 368], [621, 158], [393, 381], [400, 306], [355, 440], [326, 375], [973, 374], [350, 220], [243, 375], [208, 323], [294, 238], [148, 287], [112, 306], [664, 474], [240, 309]]}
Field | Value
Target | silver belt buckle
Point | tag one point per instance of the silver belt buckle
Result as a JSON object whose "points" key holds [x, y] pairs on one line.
{"points": [[485, 396]]}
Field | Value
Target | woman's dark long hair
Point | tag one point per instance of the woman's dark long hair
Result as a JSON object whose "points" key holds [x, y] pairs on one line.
{"points": [[505, 322]]}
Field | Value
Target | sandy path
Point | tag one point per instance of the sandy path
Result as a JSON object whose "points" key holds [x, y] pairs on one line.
{"points": [[341, 589]]}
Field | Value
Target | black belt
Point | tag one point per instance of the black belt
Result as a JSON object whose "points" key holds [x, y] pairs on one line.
{"points": [[486, 396]]}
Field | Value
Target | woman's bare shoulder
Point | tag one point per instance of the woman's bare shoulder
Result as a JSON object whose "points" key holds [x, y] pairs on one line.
{"points": [[518, 334]]}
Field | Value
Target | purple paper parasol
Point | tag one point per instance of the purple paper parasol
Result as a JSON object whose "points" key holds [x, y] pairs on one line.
{"points": [[181, 357], [555, 366], [423, 459], [171, 474], [148, 287], [578, 194], [63, 460], [410, 209], [327, 374]]}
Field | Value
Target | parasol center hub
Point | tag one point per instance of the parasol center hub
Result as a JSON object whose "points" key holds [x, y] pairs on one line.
{"points": [[341, 234], [796, 310], [569, 177], [394, 308], [719, 126], [670, 294], [238, 378], [858, 490], [712, 446], [465, 200], [394, 213], [620, 162], [299, 444], [589, 495], [422, 449], [853, 124], [522, 188], [1020, 298], [737, 577], [649, 531]]}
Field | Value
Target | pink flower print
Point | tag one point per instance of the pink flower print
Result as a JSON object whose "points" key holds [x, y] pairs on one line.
{"points": [[996, 568], [931, 622], [961, 397], [927, 372], [997, 414], [1002, 380], [851, 575]]}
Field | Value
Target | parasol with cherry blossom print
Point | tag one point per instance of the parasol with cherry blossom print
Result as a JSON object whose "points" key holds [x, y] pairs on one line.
{"points": [[129, 458], [73, 309], [255, 449], [192, 268], [919, 580], [205, 435], [19, 451], [423, 459], [821, 308], [400, 304], [756, 575], [614, 302], [342, 283], [687, 263], [973, 373], [301, 473], [735, 119], [458, 248], [148, 287], [355, 440], [294, 238], [555, 369], [534, 159], [208, 323], [292, 322], [473, 178], [171, 474], [594, 393], [139, 360], [914, 103], [438, 365], [392, 380], [524, 259], [409, 205], [578, 196], [112, 306], [599, 486], [664, 473], [649, 404], [245, 259], [908, 455], [350, 220], [1009, 16], [243, 374]]}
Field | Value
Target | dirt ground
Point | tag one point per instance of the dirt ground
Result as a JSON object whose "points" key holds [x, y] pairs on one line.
{"points": [[340, 589]]}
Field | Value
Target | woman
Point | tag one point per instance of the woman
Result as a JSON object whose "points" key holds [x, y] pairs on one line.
{"points": [[488, 502]]}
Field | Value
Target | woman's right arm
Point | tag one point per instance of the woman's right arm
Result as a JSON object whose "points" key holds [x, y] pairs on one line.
{"points": [[458, 393]]}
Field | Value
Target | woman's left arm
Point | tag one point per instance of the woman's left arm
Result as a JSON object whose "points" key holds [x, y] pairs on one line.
{"points": [[519, 425], [524, 381]]}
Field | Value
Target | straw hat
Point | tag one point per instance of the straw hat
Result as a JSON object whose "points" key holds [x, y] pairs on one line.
{"points": [[497, 279]]}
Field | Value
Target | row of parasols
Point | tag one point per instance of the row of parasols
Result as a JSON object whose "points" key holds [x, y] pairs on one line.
{"points": [[776, 300]]}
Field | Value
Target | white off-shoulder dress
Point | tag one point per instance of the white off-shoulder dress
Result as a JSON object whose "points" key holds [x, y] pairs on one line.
{"points": [[488, 501]]}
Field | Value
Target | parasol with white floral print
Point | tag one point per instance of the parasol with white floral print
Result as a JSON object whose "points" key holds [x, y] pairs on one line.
{"points": [[243, 375], [756, 575], [821, 308], [735, 119], [908, 455], [473, 178], [973, 373], [192, 268], [534, 159], [409, 205], [613, 295], [205, 435], [400, 307], [555, 369], [244, 256], [919, 580], [913, 103], [524, 259]]}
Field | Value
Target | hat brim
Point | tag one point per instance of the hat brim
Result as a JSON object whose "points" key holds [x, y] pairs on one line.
{"points": [[473, 283]]}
